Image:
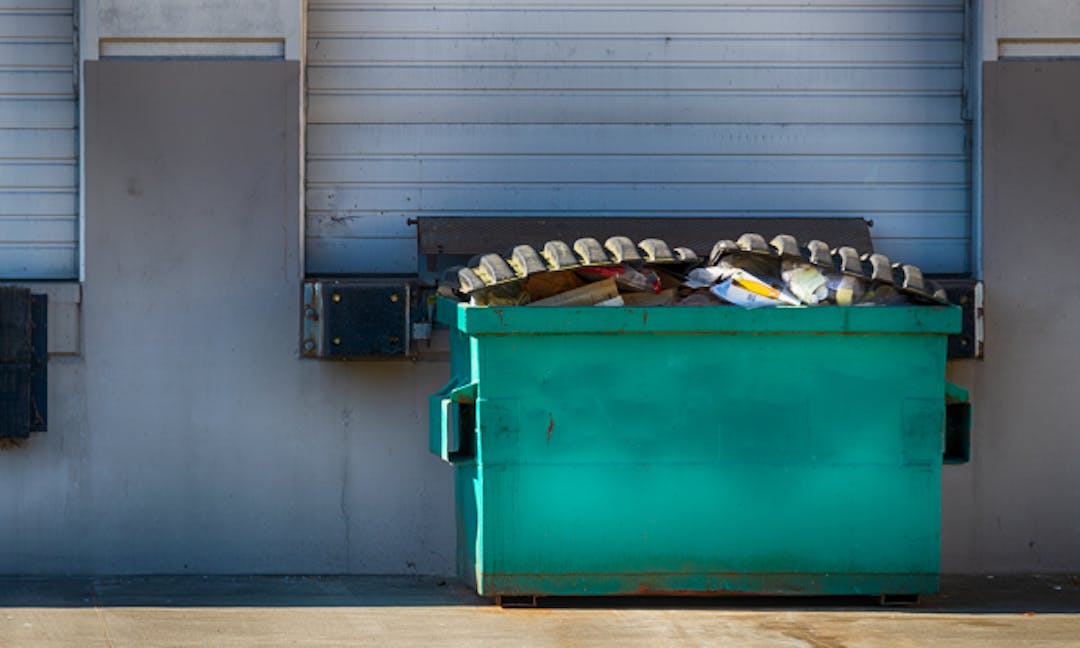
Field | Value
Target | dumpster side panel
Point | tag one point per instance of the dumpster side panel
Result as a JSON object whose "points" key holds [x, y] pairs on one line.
{"points": [[671, 461], [716, 531]]}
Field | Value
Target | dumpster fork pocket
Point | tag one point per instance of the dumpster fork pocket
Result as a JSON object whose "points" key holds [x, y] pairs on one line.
{"points": [[453, 422]]}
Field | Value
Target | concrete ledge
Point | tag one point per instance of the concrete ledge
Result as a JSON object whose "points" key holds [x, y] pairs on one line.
{"points": [[65, 306]]}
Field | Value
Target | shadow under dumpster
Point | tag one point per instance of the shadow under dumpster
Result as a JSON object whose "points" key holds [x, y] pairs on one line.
{"points": [[1025, 595]]}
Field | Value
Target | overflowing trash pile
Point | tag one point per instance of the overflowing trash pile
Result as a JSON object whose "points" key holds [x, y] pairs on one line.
{"points": [[748, 272]]}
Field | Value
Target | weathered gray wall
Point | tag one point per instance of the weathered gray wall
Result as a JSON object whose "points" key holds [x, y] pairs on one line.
{"points": [[190, 437], [1016, 508]]}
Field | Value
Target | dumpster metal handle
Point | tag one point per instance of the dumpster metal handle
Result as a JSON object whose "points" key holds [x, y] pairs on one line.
{"points": [[957, 425], [453, 422]]}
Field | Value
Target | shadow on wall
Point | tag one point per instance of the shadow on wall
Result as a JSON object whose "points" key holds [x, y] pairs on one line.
{"points": [[1027, 595]]}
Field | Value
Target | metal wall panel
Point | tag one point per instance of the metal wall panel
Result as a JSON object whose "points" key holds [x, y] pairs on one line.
{"points": [[603, 108], [38, 140]]}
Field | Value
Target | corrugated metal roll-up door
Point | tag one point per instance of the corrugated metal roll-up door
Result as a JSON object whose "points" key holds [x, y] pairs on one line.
{"points": [[38, 140], [600, 107]]}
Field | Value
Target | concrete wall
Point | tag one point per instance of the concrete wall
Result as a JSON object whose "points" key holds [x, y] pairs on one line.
{"points": [[155, 22], [186, 435], [1030, 28], [1016, 508], [189, 436]]}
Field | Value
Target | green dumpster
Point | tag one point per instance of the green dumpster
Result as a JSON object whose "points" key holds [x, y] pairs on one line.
{"points": [[695, 450]]}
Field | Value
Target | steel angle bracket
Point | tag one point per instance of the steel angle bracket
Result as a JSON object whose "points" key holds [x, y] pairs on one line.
{"points": [[968, 295], [39, 367]]}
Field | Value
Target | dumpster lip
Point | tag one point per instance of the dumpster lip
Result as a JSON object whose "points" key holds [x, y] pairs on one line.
{"points": [[515, 320]]}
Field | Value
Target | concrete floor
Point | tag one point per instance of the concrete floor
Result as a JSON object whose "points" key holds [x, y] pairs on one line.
{"points": [[405, 611]]}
